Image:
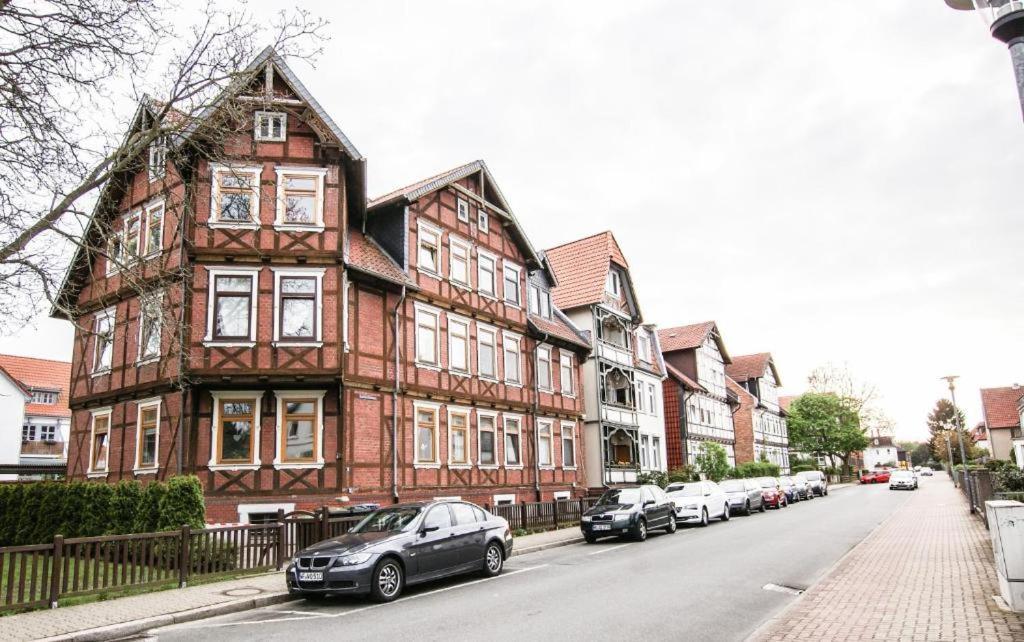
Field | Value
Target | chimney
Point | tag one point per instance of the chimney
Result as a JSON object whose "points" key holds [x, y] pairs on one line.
{"points": [[1015, 386]]}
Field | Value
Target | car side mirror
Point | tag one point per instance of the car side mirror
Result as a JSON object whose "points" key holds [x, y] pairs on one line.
{"points": [[707, 494], [649, 502], [428, 529]]}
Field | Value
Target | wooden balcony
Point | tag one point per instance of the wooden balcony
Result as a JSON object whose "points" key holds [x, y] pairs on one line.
{"points": [[43, 448]]}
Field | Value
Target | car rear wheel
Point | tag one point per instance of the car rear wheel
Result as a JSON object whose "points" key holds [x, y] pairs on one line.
{"points": [[746, 508], [640, 531], [762, 508], [494, 559], [704, 521], [387, 580], [725, 513]]}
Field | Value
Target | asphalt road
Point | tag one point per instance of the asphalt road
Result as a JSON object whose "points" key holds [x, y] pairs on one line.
{"points": [[699, 584]]}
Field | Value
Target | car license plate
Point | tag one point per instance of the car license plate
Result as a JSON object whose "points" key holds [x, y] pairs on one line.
{"points": [[602, 527], [318, 576]]}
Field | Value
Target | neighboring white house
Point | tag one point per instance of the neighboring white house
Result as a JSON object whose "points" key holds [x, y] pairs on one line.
{"points": [[650, 409], [35, 421], [881, 452]]}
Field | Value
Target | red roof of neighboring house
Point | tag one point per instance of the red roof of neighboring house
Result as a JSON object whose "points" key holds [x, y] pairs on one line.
{"points": [[557, 327], [678, 375], [366, 256], [748, 366], [744, 396], [999, 406], [684, 337], [581, 268], [41, 374], [785, 401]]}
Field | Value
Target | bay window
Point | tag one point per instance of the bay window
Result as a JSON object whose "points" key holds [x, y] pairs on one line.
{"points": [[300, 198], [298, 306], [427, 335], [487, 446], [231, 316], [513, 435], [487, 351], [458, 437], [235, 196], [458, 344]]}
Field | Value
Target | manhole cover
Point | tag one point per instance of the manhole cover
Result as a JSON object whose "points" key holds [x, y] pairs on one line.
{"points": [[782, 588], [244, 591]]}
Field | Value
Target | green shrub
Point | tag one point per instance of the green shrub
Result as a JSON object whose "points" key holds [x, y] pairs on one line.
{"points": [[713, 461], [124, 506], [181, 503], [147, 519], [756, 469], [1009, 480], [96, 520], [74, 507], [31, 505], [11, 516], [655, 477], [683, 474]]}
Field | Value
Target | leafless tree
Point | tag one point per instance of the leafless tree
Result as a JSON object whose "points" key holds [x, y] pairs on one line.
{"points": [[862, 396], [67, 69]]}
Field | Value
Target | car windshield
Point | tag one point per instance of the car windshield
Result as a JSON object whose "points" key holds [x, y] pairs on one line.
{"points": [[620, 496], [903, 474], [785, 481], [766, 482], [732, 486], [686, 490], [387, 520], [812, 475]]}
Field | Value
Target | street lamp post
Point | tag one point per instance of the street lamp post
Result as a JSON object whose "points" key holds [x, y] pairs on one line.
{"points": [[960, 434], [949, 454], [1005, 19]]}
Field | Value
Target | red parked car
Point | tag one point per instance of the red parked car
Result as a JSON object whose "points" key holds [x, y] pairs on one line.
{"points": [[772, 493], [882, 476], [867, 477]]}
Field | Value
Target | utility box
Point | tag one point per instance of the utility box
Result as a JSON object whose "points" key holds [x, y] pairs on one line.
{"points": [[1006, 526]]}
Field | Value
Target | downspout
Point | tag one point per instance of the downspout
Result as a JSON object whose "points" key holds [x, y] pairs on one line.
{"points": [[684, 424], [536, 428], [394, 399]]}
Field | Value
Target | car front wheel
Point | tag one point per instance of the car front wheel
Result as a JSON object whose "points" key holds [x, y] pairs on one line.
{"points": [[726, 513], [672, 526], [746, 508], [387, 580], [762, 508], [704, 521], [640, 531], [493, 560], [590, 539]]}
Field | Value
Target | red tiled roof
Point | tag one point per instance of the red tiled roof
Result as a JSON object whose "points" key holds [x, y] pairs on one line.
{"points": [[42, 374], [684, 337], [784, 402], [1000, 406], [557, 327], [748, 366], [581, 269], [365, 255], [687, 382], [740, 391]]}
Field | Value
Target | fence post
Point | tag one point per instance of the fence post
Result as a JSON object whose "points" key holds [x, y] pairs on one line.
{"points": [[554, 512], [522, 515], [183, 556], [56, 567], [325, 527], [282, 549]]}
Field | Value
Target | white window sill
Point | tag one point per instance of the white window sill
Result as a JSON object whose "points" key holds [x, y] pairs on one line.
{"points": [[100, 373], [547, 467], [428, 273], [145, 471], [514, 466], [269, 140], [513, 304], [573, 396], [255, 466], [465, 287], [426, 466], [468, 466], [309, 465], [99, 474], [568, 468], [488, 379], [549, 391], [513, 384], [285, 227], [427, 366], [217, 225], [229, 344], [298, 344], [488, 467], [460, 374], [147, 360], [488, 296]]}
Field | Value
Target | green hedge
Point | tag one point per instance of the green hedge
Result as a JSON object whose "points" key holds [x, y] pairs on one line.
{"points": [[34, 513], [755, 469]]}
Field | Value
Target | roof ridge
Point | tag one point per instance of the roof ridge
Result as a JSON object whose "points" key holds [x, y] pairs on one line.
{"points": [[21, 356], [579, 240], [428, 179]]}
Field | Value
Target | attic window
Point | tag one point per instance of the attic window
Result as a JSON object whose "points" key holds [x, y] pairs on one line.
{"points": [[47, 397], [463, 210], [613, 286], [481, 221], [271, 126], [158, 158]]}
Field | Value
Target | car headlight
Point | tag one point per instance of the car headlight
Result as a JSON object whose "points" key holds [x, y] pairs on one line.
{"points": [[691, 507], [622, 518], [586, 518], [352, 560]]}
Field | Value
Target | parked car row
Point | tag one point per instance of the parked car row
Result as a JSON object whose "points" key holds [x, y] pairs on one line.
{"points": [[635, 511]]}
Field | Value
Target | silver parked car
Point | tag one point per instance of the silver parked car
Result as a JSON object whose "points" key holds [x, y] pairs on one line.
{"points": [[817, 481], [744, 495]]}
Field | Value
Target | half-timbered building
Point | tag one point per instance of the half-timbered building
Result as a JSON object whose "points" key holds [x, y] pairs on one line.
{"points": [[763, 421]]}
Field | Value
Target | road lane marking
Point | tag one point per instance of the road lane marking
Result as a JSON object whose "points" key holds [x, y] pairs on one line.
{"points": [[610, 548], [310, 615]]}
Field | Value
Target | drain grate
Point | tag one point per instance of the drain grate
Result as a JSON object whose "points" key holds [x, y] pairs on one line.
{"points": [[782, 588]]}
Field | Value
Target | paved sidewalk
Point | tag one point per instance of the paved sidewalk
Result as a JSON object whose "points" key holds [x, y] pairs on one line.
{"points": [[926, 573], [127, 616]]}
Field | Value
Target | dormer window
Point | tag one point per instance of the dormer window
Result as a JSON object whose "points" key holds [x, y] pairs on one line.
{"points": [[271, 126], [643, 346], [45, 397], [613, 285], [540, 301], [158, 158]]}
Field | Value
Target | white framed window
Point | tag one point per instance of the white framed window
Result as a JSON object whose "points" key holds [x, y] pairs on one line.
{"points": [[540, 301], [568, 433], [462, 209], [545, 443], [151, 317], [103, 347], [99, 441], [147, 436], [270, 126], [130, 242], [46, 397], [458, 438], [231, 306], [533, 300], [458, 344], [487, 352], [613, 285], [300, 199], [459, 252], [153, 229], [158, 158], [644, 446], [656, 453], [565, 368], [428, 345], [652, 400], [482, 221], [427, 434], [504, 499], [300, 429], [487, 441], [235, 196], [561, 495], [298, 307], [235, 430], [510, 285], [513, 430], [643, 345], [512, 352], [486, 270], [428, 254], [544, 367]]}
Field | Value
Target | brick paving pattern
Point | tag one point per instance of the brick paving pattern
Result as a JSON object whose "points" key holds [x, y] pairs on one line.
{"points": [[926, 573]]}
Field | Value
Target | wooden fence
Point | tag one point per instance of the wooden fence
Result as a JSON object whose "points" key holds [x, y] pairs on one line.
{"points": [[543, 515], [37, 576]]}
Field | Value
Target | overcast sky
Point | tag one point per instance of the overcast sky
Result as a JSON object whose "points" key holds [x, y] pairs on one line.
{"points": [[828, 181]]}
